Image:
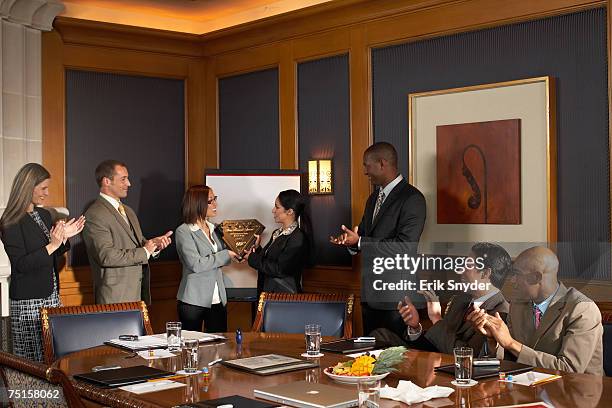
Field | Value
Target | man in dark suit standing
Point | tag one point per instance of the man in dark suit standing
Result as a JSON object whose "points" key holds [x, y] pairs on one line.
{"points": [[394, 213]]}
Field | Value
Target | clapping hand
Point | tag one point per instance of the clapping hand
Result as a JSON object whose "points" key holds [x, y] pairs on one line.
{"points": [[409, 314], [162, 241], [434, 310], [478, 317], [73, 227], [57, 237], [348, 237]]}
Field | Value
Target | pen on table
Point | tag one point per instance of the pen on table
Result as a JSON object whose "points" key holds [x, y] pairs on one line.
{"points": [[545, 380], [212, 363]]}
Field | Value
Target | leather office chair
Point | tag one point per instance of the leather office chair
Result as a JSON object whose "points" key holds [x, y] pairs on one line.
{"points": [[288, 313], [24, 376], [606, 321], [72, 328]]}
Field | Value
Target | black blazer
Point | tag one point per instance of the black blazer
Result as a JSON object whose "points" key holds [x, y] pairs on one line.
{"points": [[32, 268], [400, 219], [280, 263], [397, 227]]}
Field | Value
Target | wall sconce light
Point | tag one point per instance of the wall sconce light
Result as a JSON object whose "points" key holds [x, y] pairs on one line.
{"points": [[320, 177]]}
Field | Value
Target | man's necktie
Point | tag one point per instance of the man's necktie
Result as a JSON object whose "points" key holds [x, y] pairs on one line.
{"points": [[538, 315], [379, 201], [121, 210]]}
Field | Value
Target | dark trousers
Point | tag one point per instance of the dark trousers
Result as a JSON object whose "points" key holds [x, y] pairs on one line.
{"points": [[376, 318], [192, 317]]}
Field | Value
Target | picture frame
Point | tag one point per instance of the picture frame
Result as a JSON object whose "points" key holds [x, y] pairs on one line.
{"points": [[533, 101]]}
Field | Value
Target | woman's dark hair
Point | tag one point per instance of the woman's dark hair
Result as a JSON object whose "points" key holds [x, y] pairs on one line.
{"points": [[195, 204], [20, 197], [292, 199]]}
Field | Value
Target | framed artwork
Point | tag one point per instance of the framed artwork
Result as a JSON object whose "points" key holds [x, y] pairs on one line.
{"points": [[484, 156], [478, 175]]}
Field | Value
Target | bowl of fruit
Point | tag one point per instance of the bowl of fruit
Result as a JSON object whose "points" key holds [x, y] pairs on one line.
{"points": [[367, 367]]}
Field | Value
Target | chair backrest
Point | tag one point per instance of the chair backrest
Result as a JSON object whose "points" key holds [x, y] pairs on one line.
{"points": [[606, 320], [72, 328], [42, 385], [289, 312]]}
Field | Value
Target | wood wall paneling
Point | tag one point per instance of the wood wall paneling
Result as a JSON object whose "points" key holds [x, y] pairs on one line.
{"points": [[354, 25]]}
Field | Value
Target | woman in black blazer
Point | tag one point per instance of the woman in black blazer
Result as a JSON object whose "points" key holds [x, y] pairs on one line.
{"points": [[34, 247], [280, 263]]}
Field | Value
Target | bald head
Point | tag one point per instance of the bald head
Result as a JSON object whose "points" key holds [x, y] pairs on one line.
{"points": [[539, 259], [535, 271]]}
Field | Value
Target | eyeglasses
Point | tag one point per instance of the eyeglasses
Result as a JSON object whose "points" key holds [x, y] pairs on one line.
{"points": [[213, 199]]}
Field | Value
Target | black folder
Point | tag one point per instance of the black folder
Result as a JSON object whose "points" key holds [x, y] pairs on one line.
{"points": [[122, 376], [478, 372], [236, 400]]}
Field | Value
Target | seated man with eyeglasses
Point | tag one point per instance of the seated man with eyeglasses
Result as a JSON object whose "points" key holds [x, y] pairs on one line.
{"points": [[452, 330], [549, 325]]}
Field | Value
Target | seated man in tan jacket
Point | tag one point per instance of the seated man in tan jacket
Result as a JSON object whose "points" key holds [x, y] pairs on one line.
{"points": [[549, 325]]}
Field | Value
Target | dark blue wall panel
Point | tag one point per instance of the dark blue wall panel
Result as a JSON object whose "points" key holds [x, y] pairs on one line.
{"points": [[248, 121], [324, 132], [571, 48], [139, 121]]}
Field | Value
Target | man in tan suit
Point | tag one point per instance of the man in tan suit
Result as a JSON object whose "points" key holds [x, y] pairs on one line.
{"points": [[549, 325], [117, 250]]}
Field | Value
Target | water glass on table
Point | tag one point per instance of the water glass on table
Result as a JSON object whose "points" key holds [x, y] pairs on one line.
{"points": [[369, 393], [463, 364], [173, 336], [190, 355], [312, 333]]}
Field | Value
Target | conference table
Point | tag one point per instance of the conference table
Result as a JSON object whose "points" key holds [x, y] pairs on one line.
{"points": [[572, 390]]}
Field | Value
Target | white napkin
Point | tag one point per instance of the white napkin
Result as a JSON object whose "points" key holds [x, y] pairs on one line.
{"points": [[157, 353], [410, 393]]}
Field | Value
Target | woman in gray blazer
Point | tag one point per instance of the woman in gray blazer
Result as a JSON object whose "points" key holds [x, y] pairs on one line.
{"points": [[201, 295]]}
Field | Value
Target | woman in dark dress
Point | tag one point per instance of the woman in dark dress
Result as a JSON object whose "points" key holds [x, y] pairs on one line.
{"points": [[34, 247], [280, 263]]}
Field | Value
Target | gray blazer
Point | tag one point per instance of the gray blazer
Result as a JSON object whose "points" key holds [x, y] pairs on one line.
{"points": [[201, 267], [119, 263]]}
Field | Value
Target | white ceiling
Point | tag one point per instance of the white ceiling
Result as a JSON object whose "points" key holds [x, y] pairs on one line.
{"points": [[188, 16]]}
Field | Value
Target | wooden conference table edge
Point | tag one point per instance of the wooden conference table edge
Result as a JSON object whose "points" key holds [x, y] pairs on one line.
{"points": [[572, 390]]}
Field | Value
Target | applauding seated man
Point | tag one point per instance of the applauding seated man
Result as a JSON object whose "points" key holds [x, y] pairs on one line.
{"points": [[549, 325], [452, 330]]}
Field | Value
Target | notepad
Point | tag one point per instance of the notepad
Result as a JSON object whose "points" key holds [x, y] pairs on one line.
{"points": [[146, 387], [156, 341], [533, 378]]}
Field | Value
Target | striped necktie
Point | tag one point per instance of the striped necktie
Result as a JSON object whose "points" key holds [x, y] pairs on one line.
{"points": [[538, 316], [379, 201]]}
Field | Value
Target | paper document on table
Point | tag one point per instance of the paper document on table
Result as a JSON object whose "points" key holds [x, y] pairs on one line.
{"points": [[155, 354], [143, 343], [152, 386], [533, 378], [195, 335]]}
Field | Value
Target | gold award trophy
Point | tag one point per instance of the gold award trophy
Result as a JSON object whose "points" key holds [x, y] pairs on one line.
{"points": [[239, 235]]}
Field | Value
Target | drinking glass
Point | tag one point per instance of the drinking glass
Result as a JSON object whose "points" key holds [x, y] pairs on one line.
{"points": [[369, 393], [312, 333], [190, 355], [463, 364], [173, 336]]}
